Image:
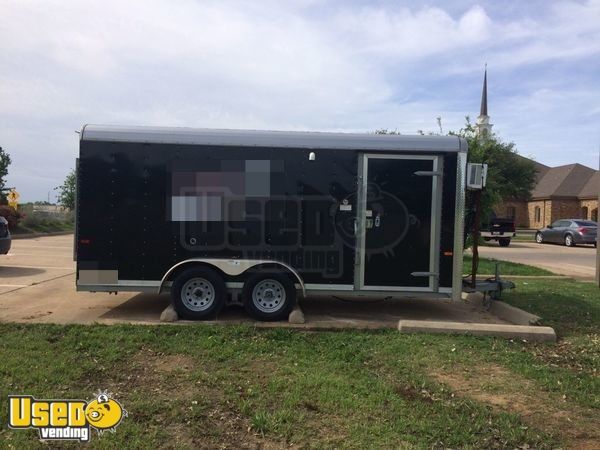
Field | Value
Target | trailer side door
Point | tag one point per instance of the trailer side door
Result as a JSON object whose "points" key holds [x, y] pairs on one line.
{"points": [[399, 219]]}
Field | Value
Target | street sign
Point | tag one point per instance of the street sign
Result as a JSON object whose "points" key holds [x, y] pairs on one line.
{"points": [[13, 198]]}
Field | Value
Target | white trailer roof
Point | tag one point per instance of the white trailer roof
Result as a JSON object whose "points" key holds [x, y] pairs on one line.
{"points": [[260, 138]]}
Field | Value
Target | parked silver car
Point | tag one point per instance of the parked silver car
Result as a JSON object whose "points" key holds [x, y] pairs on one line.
{"points": [[569, 232]]}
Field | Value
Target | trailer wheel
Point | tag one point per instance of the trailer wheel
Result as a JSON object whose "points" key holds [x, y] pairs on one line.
{"points": [[198, 293], [269, 296]]}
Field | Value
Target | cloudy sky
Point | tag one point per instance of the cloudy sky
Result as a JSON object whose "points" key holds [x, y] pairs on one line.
{"points": [[344, 65]]}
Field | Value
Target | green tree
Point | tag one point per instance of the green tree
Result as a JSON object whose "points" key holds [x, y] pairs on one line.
{"points": [[66, 195], [4, 163], [510, 176]]}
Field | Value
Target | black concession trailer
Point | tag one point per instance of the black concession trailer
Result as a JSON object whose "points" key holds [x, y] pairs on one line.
{"points": [[261, 217]]}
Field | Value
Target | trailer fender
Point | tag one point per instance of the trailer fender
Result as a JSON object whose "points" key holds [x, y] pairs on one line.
{"points": [[232, 267]]}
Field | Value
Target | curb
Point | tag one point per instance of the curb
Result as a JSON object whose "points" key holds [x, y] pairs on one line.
{"points": [[34, 235], [528, 333], [513, 314]]}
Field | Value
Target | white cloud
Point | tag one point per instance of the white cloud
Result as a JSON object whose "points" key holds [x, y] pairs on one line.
{"points": [[416, 34], [303, 64]]}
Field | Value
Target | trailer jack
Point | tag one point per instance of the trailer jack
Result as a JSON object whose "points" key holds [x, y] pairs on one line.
{"points": [[491, 288]]}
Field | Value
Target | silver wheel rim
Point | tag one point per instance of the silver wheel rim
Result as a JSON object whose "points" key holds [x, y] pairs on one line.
{"points": [[538, 237], [568, 241], [198, 294], [268, 296]]}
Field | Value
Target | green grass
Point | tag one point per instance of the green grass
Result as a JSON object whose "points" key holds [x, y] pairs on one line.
{"points": [[487, 266], [573, 310], [208, 386], [44, 226], [40, 222]]}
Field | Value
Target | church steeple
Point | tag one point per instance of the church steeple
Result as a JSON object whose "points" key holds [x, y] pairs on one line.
{"points": [[483, 125], [483, 109]]}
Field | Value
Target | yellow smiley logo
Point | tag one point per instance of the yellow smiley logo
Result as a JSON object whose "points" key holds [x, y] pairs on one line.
{"points": [[104, 413]]}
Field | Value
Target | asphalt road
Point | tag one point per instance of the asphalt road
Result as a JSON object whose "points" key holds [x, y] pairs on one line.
{"points": [[578, 262], [37, 284]]}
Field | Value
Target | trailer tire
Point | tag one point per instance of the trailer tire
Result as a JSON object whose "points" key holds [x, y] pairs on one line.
{"points": [[198, 293], [269, 296]]}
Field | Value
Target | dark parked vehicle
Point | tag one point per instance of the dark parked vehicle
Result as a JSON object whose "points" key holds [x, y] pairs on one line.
{"points": [[498, 229], [5, 239], [569, 232]]}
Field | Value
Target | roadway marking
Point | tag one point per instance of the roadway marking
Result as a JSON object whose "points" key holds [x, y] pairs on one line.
{"points": [[36, 283]]}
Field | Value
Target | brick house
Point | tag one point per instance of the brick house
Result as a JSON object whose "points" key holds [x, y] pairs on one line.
{"points": [[562, 192]]}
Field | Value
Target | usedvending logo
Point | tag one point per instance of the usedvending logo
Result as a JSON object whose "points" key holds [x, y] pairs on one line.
{"points": [[66, 419]]}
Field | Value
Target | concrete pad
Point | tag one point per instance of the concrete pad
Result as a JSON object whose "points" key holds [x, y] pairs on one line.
{"points": [[528, 333], [385, 314], [472, 297], [503, 311], [37, 285], [56, 301]]}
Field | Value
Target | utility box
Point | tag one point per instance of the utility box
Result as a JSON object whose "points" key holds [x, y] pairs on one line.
{"points": [[476, 176]]}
